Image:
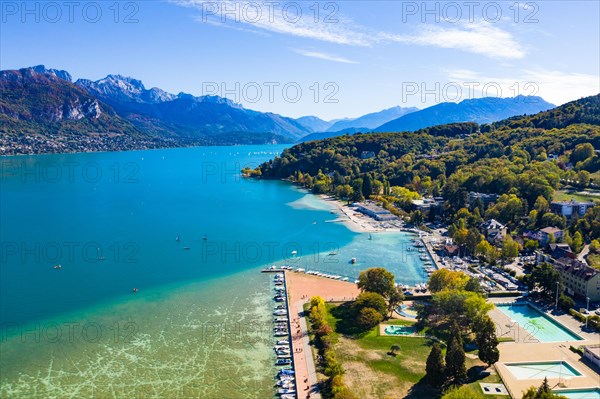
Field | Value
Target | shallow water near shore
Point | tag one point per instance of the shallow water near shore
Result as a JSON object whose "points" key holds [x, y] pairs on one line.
{"points": [[184, 229]]}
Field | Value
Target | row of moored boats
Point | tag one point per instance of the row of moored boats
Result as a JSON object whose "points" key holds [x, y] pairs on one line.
{"points": [[285, 380]]}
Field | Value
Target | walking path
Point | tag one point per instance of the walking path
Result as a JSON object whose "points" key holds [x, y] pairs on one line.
{"points": [[301, 287], [304, 365]]}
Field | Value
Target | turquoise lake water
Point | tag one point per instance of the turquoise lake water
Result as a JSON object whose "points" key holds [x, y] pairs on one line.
{"points": [[199, 324]]}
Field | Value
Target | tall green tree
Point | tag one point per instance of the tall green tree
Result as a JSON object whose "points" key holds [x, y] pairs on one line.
{"points": [[435, 367], [367, 186], [455, 357], [487, 341]]}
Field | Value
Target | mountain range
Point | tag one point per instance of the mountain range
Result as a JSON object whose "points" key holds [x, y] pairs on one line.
{"points": [[479, 110], [44, 110]]}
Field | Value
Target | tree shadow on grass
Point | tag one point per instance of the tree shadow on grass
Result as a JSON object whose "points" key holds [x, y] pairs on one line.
{"points": [[422, 390], [477, 373]]}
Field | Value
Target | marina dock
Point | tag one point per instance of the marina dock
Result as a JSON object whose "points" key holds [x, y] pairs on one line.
{"points": [[285, 383]]}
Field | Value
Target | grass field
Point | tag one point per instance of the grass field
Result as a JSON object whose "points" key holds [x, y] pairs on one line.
{"points": [[373, 372], [564, 195]]}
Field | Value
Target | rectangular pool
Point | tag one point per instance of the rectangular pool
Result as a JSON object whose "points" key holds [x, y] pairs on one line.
{"points": [[591, 393], [540, 326], [540, 370]]}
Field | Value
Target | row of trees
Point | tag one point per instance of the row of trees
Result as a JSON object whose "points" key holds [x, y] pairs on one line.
{"points": [[334, 387]]}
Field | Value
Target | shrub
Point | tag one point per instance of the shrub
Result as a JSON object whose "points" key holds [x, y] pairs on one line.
{"points": [[565, 302], [369, 318]]}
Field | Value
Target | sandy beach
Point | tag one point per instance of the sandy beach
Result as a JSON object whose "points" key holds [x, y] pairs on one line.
{"points": [[304, 286], [354, 220]]}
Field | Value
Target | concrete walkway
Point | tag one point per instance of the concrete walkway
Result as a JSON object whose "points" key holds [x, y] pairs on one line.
{"points": [[304, 365]]}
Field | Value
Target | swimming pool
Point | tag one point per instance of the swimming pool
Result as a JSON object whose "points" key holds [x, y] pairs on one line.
{"points": [[539, 370], [407, 311], [398, 330], [591, 393], [541, 327]]}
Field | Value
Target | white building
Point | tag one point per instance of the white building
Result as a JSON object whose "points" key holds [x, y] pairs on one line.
{"points": [[569, 208]]}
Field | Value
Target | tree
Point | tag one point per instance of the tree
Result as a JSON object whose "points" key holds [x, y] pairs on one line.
{"points": [[532, 245], [443, 279], [543, 392], [369, 318], [371, 300], [455, 357], [473, 239], [541, 206], [510, 249], [577, 242], [345, 192], [377, 187], [357, 195], [565, 302], [487, 341], [367, 186], [396, 298], [473, 285], [463, 307], [394, 349], [416, 218], [483, 248], [434, 367], [583, 178], [378, 280], [595, 246], [545, 277], [581, 153], [552, 219]]}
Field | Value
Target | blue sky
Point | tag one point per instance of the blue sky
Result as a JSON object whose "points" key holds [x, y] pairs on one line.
{"points": [[330, 59]]}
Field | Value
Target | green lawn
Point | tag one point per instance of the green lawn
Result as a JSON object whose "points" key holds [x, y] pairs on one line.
{"points": [[372, 372]]}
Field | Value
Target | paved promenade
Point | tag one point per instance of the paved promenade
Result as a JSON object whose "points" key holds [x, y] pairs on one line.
{"points": [[302, 287]]}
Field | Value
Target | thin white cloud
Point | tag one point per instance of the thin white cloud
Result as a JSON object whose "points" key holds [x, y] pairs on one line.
{"points": [[278, 20], [479, 38], [482, 38], [324, 56], [554, 86]]}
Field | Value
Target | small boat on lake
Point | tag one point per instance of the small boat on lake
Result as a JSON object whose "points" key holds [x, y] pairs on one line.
{"points": [[353, 260], [58, 267]]}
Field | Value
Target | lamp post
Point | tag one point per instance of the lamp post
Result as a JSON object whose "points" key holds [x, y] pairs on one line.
{"points": [[587, 311], [556, 303]]}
